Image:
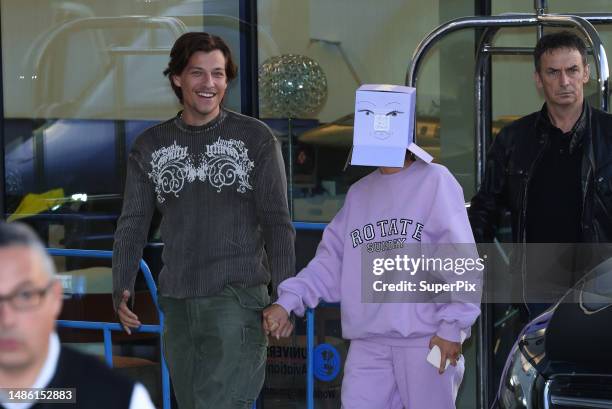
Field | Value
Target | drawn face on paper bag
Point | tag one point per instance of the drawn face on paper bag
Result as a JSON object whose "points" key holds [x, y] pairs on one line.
{"points": [[380, 120]]}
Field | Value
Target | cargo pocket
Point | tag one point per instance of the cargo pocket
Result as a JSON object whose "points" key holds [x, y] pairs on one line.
{"points": [[250, 378]]}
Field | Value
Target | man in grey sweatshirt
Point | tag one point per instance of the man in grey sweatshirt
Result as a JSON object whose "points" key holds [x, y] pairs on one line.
{"points": [[217, 178]]}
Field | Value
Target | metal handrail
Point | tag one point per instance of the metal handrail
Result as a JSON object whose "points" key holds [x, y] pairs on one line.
{"points": [[581, 21], [457, 24], [107, 327]]}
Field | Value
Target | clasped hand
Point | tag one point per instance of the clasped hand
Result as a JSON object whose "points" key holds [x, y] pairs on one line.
{"points": [[276, 321]]}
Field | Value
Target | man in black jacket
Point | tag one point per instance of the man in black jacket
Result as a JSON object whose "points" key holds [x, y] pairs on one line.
{"points": [[30, 351], [551, 169]]}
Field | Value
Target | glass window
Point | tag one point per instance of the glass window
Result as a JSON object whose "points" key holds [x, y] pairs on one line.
{"points": [[81, 81]]}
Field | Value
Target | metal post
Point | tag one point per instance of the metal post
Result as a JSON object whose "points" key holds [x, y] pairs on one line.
{"points": [[310, 324], [540, 6], [249, 97], [290, 166], [482, 121], [108, 347], [482, 94], [539, 32]]}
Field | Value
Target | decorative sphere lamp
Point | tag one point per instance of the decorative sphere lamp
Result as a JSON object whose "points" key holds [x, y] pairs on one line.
{"points": [[291, 86]]}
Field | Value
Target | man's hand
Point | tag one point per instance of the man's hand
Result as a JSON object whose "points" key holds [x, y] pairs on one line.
{"points": [[448, 350], [126, 316], [276, 321]]}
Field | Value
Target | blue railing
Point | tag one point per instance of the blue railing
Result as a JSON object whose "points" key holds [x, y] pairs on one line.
{"points": [[107, 327], [309, 226], [310, 352], [310, 325], [310, 358]]}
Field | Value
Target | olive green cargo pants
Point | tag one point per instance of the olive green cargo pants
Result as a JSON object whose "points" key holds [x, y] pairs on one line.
{"points": [[215, 348]]}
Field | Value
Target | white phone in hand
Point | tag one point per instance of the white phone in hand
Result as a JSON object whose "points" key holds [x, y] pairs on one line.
{"points": [[434, 355]]}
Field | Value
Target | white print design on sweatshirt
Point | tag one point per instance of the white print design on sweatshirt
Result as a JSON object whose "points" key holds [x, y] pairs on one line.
{"points": [[224, 163]]}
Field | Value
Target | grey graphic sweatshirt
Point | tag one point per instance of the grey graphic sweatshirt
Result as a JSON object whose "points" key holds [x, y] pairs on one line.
{"points": [[221, 191]]}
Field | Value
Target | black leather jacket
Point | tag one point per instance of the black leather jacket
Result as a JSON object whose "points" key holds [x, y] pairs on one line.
{"points": [[512, 159]]}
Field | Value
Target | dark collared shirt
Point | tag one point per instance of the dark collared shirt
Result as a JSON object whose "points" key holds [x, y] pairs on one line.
{"points": [[554, 197]]}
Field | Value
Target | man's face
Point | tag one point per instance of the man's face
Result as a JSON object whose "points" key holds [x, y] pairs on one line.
{"points": [[203, 83], [24, 334], [562, 77]]}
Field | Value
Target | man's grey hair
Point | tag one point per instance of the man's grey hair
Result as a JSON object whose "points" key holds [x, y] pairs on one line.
{"points": [[19, 234]]}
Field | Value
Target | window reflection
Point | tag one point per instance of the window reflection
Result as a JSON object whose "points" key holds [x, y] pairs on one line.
{"points": [[80, 83]]}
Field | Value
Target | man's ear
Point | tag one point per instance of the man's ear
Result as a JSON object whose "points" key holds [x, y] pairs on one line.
{"points": [[587, 74], [537, 79], [57, 294], [176, 80]]}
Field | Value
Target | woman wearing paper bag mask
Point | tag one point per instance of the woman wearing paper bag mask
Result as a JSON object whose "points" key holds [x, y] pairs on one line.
{"points": [[405, 204]]}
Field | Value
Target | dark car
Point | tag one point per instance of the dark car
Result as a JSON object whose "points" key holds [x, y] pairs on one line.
{"points": [[563, 358]]}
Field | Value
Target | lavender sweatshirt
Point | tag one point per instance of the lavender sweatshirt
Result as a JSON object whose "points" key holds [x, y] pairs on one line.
{"points": [[427, 205]]}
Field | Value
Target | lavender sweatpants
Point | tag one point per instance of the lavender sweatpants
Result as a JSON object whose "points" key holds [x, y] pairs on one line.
{"points": [[379, 376]]}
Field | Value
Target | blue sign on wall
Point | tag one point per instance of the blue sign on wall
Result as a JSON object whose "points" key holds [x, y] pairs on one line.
{"points": [[326, 362]]}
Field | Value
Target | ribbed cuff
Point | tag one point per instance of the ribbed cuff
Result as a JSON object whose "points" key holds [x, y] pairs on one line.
{"points": [[449, 332], [291, 303], [118, 296]]}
